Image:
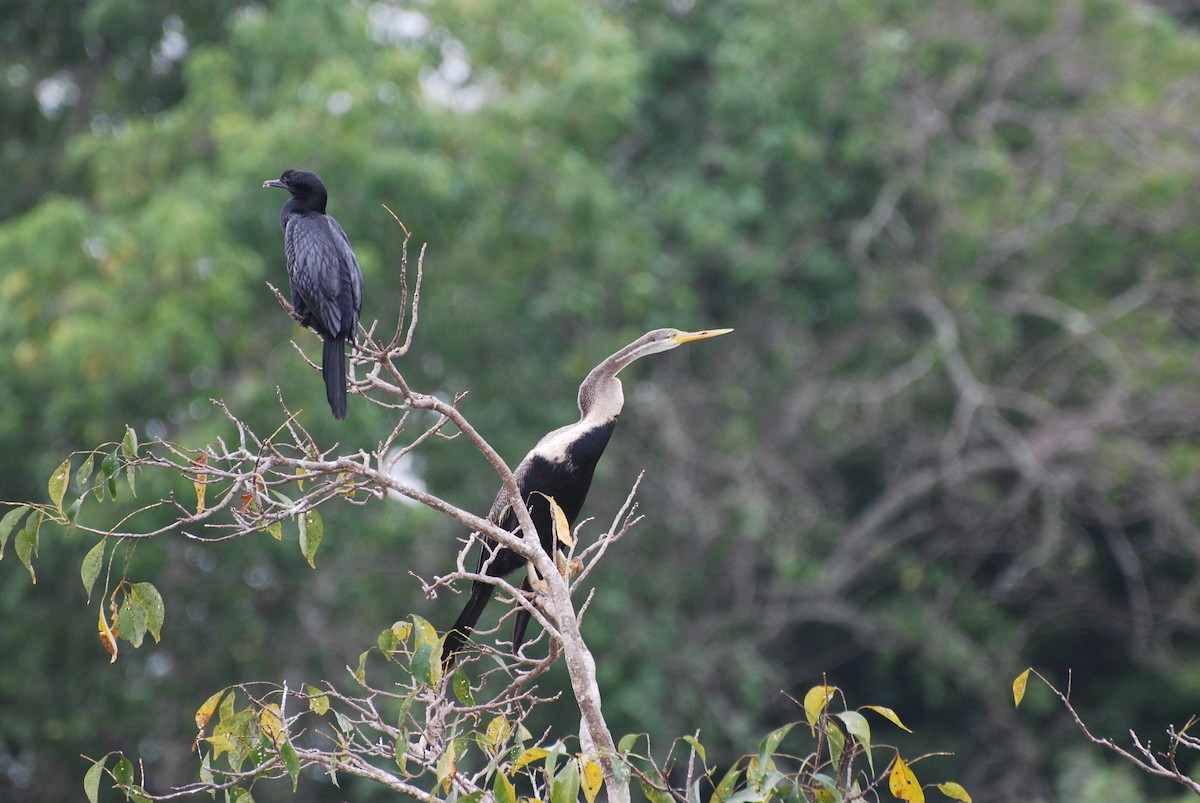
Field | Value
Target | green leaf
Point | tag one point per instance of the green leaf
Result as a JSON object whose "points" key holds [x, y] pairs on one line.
{"points": [[954, 791], [857, 726], [291, 761], [91, 780], [92, 562], [26, 542], [131, 621], [312, 530], [1018, 687], [503, 789], [9, 522], [627, 742], [426, 634], [426, 664], [725, 788], [360, 674], [837, 743], [318, 701], [84, 473], [129, 444], [447, 765], [565, 786], [654, 795], [151, 603], [123, 771], [699, 748], [462, 687], [766, 750], [108, 467], [58, 483], [275, 528]]}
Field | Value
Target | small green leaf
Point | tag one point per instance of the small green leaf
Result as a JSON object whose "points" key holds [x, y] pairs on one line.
{"points": [[360, 674], [1019, 687], [654, 795], [291, 761], [129, 444], [58, 483], [123, 771], [318, 701], [108, 467], [90, 570], [150, 601], [275, 528], [131, 621], [699, 748], [26, 542], [84, 473], [725, 788], [426, 664], [766, 750], [627, 742], [503, 789], [954, 791], [837, 743], [858, 727], [462, 687], [426, 633], [91, 780], [9, 522], [565, 786], [312, 530]]}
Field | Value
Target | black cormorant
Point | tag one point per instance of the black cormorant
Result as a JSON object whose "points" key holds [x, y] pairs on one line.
{"points": [[560, 467], [324, 275]]}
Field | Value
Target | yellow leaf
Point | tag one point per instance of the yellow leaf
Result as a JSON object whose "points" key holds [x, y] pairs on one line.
{"points": [[562, 529], [954, 791], [205, 712], [889, 715], [108, 637], [1019, 688], [815, 701], [592, 780], [903, 783], [58, 483], [270, 722]]}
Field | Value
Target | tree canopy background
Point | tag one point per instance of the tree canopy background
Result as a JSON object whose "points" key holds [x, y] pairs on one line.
{"points": [[955, 433]]}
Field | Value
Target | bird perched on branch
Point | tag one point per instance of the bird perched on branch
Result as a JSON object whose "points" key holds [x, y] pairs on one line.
{"points": [[560, 467], [324, 276]]}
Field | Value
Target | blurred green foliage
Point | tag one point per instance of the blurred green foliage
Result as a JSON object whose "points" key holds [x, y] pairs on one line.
{"points": [[954, 434]]}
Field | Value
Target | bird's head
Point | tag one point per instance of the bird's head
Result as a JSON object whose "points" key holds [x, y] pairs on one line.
{"points": [[664, 340], [307, 188]]}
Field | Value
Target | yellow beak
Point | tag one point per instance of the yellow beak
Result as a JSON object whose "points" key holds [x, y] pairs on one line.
{"points": [[688, 337]]}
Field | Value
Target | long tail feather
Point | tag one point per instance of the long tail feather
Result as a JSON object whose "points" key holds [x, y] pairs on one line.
{"points": [[465, 624], [333, 365], [522, 622]]}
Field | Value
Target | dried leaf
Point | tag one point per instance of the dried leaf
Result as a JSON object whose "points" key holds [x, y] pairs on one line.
{"points": [[201, 482], [108, 637]]}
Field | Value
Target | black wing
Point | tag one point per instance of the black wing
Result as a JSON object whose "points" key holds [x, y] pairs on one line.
{"points": [[324, 274]]}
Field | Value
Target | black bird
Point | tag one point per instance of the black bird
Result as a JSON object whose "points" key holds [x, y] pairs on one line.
{"points": [[561, 467], [324, 276]]}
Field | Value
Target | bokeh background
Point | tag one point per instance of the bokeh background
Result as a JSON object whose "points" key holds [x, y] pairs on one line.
{"points": [[954, 434]]}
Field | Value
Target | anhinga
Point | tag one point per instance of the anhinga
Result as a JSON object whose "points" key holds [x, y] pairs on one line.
{"points": [[560, 467], [324, 276]]}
